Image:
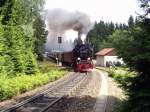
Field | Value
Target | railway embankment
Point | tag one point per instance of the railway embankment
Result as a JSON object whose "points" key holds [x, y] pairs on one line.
{"points": [[21, 86], [117, 87], [76, 92]]}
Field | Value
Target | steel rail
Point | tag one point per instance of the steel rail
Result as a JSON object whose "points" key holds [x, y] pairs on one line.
{"points": [[71, 88], [42, 93], [67, 94]]}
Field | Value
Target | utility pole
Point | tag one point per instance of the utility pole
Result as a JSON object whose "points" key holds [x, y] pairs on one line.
{"points": [[59, 57]]}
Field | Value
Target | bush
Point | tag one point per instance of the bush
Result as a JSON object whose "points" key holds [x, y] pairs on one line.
{"points": [[122, 75], [10, 87]]}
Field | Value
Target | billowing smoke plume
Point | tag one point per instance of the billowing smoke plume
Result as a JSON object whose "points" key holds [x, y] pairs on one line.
{"points": [[59, 21]]}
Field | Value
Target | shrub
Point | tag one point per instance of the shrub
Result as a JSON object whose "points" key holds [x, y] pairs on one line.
{"points": [[122, 76], [10, 87]]}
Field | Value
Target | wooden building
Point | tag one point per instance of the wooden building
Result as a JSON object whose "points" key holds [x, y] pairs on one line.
{"points": [[107, 57]]}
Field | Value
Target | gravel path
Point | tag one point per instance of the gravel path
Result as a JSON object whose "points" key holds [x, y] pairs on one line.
{"points": [[101, 102], [116, 95], [110, 94]]}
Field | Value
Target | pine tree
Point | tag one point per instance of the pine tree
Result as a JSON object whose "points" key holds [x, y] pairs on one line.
{"points": [[111, 27], [40, 36], [5, 11], [131, 22], [145, 5], [116, 26], [16, 36], [100, 33]]}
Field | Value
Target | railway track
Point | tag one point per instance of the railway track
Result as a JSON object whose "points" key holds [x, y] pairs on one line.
{"points": [[83, 99], [46, 99]]}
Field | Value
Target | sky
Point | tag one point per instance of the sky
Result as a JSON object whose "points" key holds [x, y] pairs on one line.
{"points": [[106, 10]]}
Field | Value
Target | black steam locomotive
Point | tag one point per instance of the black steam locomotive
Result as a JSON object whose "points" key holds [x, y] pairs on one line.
{"points": [[83, 57], [80, 58]]}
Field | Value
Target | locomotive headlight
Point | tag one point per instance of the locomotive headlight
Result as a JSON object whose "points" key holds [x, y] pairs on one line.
{"points": [[88, 58], [78, 58]]}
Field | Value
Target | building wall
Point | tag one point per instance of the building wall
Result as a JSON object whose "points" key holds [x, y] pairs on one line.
{"points": [[100, 60]]}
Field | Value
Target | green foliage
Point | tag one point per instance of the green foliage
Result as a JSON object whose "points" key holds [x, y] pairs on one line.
{"points": [[21, 32], [122, 106], [5, 11], [40, 37], [145, 5], [31, 64], [17, 39], [136, 42], [16, 56], [134, 47], [25, 11], [123, 76], [46, 66], [10, 87], [101, 31], [131, 22], [121, 33]]}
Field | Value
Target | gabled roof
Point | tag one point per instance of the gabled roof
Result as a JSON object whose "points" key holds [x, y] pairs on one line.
{"points": [[105, 51]]}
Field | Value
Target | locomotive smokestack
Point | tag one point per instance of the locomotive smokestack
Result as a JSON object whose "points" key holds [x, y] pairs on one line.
{"points": [[79, 40]]}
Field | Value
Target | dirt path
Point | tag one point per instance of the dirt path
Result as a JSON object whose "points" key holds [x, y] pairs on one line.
{"points": [[101, 103], [116, 95], [110, 94]]}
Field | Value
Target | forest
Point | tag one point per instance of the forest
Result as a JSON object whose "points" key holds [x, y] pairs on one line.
{"points": [[20, 36], [22, 39], [132, 42], [100, 34]]}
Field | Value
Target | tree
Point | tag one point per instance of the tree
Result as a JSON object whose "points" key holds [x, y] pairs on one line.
{"points": [[131, 22], [17, 40], [5, 11], [145, 6], [117, 39], [112, 27], [134, 48], [116, 26], [99, 35], [40, 36]]}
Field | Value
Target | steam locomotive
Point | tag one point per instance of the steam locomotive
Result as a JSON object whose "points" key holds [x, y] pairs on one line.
{"points": [[80, 58]]}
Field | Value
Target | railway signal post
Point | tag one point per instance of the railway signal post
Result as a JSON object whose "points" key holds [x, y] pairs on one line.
{"points": [[59, 55]]}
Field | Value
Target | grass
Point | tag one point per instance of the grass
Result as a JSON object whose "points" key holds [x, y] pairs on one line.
{"points": [[12, 86], [123, 77]]}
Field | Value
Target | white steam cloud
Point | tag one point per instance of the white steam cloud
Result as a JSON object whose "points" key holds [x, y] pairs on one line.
{"points": [[59, 21]]}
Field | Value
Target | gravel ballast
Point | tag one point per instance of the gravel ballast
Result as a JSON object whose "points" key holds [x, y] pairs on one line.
{"points": [[83, 100]]}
